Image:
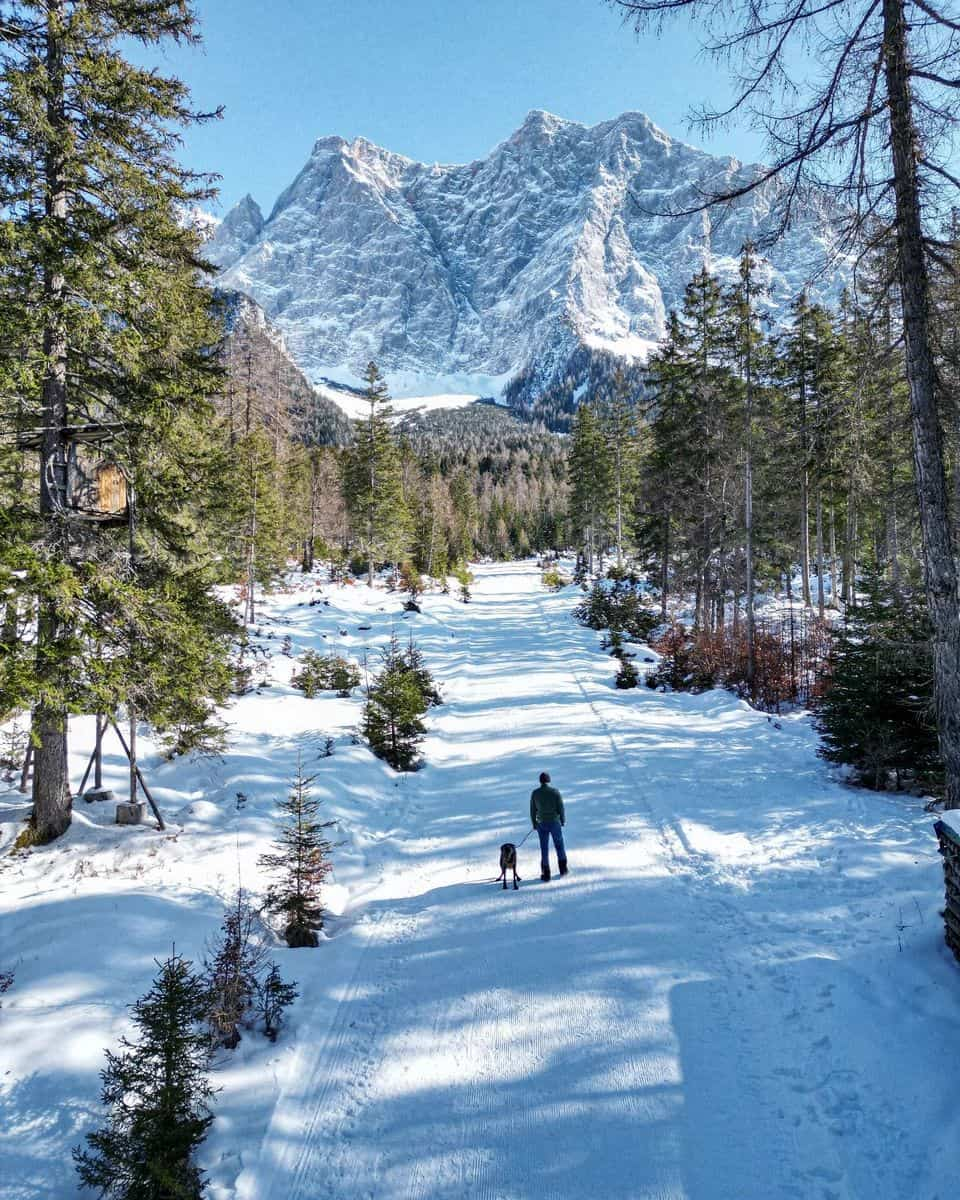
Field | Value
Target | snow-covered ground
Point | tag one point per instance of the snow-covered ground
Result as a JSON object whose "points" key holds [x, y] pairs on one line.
{"points": [[356, 406], [740, 992]]}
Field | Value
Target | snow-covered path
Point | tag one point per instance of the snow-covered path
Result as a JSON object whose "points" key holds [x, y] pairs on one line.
{"points": [[739, 993], [693, 1012]]}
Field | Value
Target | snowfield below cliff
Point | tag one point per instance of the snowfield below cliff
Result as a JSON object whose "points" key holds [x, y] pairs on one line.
{"points": [[740, 992]]}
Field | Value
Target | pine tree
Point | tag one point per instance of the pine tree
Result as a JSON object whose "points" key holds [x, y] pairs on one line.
{"points": [[618, 421], [695, 447], [627, 674], [396, 702], [157, 1094], [414, 662], [877, 714], [748, 345], [372, 482], [301, 863], [254, 514], [591, 493], [464, 576], [106, 323]]}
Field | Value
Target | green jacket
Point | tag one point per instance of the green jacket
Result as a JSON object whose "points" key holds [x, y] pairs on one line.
{"points": [[546, 804]]}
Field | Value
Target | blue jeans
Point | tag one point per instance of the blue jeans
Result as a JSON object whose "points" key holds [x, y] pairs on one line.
{"points": [[547, 830]]}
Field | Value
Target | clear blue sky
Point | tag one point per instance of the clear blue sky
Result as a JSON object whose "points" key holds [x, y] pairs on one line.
{"points": [[439, 80]]}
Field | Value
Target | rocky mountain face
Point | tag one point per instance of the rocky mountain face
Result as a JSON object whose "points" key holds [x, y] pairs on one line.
{"points": [[518, 267]]}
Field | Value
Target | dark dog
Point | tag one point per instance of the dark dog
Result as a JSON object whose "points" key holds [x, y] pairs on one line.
{"points": [[508, 862]]}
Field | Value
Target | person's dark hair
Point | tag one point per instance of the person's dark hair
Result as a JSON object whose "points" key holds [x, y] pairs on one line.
{"points": [[544, 776]]}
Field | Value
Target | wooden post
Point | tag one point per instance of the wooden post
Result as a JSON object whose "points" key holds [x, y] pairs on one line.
{"points": [[139, 775], [98, 753], [25, 773], [132, 755]]}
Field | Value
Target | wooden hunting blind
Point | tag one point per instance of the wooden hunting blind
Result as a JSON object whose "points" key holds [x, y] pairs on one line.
{"points": [[95, 485]]}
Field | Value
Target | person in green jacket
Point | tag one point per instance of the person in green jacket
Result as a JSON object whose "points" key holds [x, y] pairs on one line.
{"points": [[548, 817]]}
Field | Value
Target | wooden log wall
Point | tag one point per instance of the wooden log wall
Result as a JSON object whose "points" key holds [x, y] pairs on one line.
{"points": [[950, 849]]}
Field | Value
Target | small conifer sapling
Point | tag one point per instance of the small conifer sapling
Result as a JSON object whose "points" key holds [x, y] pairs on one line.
{"points": [[233, 968], [300, 864], [157, 1095], [273, 997]]}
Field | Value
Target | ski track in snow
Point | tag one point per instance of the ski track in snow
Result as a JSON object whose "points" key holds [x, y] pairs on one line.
{"points": [[714, 1005]]}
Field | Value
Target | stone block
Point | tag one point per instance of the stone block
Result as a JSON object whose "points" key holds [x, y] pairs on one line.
{"points": [[131, 814], [94, 794]]}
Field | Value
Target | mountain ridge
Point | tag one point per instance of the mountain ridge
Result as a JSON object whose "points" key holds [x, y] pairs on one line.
{"points": [[468, 277]]}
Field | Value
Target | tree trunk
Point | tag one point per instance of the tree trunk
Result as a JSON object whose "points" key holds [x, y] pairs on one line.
{"points": [[821, 598], [748, 481], [665, 565], [938, 554], [850, 543], [51, 792], [310, 543], [250, 609], [893, 532]]}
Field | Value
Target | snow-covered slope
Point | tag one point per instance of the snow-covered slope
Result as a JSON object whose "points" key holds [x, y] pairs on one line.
{"points": [[741, 991], [355, 406], [457, 278]]}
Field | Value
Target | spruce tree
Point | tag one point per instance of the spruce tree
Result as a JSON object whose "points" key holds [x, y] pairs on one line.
{"points": [[372, 481], [695, 448], [618, 419], [591, 470], [627, 674], [157, 1094], [106, 326], [396, 703], [300, 864], [877, 713]]}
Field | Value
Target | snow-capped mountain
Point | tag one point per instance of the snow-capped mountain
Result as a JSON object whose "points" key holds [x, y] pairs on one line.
{"points": [[460, 278]]}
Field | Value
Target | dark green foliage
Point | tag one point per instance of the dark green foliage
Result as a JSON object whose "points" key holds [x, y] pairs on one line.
{"points": [[627, 675], [464, 576], [877, 714], [591, 477], [272, 998], [617, 608], [373, 483], [604, 463], [300, 863], [6, 982], [397, 700], [413, 661], [325, 672], [157, 1095]]}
